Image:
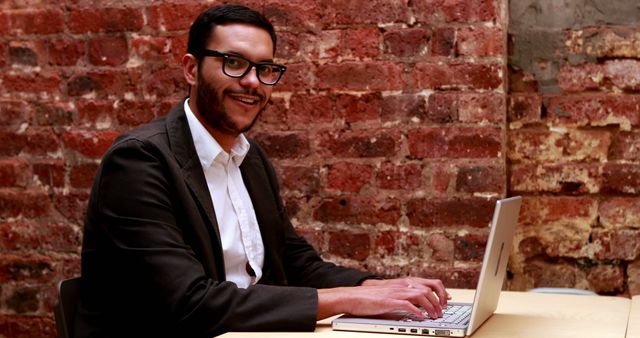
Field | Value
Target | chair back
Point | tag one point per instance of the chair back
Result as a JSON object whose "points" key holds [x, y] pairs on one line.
{"points": [[65, 309]]}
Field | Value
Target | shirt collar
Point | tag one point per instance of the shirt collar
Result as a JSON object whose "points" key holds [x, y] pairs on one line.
{"points": [[207, 147]]}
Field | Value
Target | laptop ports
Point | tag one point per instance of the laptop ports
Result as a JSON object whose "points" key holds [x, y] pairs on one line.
{"points": [[425, 331]]}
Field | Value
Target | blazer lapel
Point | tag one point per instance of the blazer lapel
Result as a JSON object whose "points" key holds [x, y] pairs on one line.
{"points": [[181, 143]]}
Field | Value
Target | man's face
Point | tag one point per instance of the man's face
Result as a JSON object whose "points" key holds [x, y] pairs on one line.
{"points": [[229, 105]]}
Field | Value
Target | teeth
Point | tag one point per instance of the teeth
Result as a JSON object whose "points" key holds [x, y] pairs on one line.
{"points": [[246, 100]]}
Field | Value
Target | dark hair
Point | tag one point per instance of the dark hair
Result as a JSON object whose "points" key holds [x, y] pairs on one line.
{"points": [[205, 23]]}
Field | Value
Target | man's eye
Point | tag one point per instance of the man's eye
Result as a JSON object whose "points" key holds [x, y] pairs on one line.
{"points": [[266, 70], [236, 63]]}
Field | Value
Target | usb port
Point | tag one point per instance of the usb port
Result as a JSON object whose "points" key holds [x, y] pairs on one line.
{"points": [[414, 330], [402, 330], [425, 331]]}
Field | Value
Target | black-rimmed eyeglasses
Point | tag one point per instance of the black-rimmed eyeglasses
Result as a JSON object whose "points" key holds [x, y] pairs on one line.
{"points": [[237, 66]]}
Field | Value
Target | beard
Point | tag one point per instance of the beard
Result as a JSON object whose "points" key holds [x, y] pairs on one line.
{"points": [[213, 112]]}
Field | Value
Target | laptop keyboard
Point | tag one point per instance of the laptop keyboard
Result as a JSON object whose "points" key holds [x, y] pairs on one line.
{"points": [[454, 314]]}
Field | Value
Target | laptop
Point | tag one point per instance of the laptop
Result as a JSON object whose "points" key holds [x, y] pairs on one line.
{"points": [[460, 319]]}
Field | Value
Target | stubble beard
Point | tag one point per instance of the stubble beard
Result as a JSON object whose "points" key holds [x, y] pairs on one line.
{"points": [[211, 109]]}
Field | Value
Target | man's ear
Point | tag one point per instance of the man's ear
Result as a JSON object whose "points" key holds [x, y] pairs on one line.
{"points": [[190, 69]]}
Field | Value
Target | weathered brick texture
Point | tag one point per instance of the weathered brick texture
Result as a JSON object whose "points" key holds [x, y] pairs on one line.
{"points": [[393, 133]]}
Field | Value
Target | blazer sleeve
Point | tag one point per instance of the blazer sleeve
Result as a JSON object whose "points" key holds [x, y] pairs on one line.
{"points": [[136, 263]]}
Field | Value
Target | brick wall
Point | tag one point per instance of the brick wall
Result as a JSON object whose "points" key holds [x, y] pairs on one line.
{"points": [[394, 131], [574, 143]]}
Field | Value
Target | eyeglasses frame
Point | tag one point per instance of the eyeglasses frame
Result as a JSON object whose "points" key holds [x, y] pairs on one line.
{"points": [[225, 56]]}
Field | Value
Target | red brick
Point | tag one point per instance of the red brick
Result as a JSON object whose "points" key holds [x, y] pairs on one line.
{"points": [[27, 326], [452, 277], [626, 146], [165, 82], [522, 81], [101, 19], [581, 77], [358, 209], [485, 108], [566, 178], [49, 173], [538, 145], [524, 109], [3, 49], [99, 114], [14, 112], [66, 52], [21, 236], [361, 76], [152, 48], [101, 82], [463, 76], [455, 10], [441, 177], [442, 248], [621, 178], [455, 142], [542, 210], [174, 16], [36, 21], [619, 212], [288, 45], [14, 173], [546, 274], [359, 143], [92, 144], [45, 83], [609, 279], [56, 113], [480, 41], [298, 75], [377, 12], [403, 108], [442, 108], [447, 213], [350, 245], [285, 145], [470, 247], [11, 144], [274, 115], [42, 141], [348, 177], [27, 53], [293, 206], [478, 178], [397, 243], [443, 41], [72, 205], [179, 47], [531, 247], [310, 108], [618, 244], [399, 176], [108, 51], [134, 113], [362, 43], [294, 13], [321, 45], [25, 203], [410, 42], [81, 176], [300, 178], [595, 110], [605, 41], [360, 108]]}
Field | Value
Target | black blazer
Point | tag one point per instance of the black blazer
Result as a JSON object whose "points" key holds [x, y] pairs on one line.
{"points": [[152, 263]]}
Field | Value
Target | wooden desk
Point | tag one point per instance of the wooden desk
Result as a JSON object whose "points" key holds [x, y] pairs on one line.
{"points": [[633, 329], [519, 315]]}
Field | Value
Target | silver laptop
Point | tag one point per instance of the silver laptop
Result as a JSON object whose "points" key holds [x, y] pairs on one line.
{"points": [[460, 319]]}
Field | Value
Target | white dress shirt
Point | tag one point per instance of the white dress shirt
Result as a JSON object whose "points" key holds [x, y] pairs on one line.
{"points": [[237, 223]]}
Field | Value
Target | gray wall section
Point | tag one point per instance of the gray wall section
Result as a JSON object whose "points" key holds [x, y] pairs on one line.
{"points": [[537, 32]]}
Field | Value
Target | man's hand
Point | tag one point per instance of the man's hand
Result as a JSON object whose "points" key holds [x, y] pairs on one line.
{"points": [[375, 297]]}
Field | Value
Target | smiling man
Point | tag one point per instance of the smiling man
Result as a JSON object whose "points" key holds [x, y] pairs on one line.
{"points": [[186, 234]]}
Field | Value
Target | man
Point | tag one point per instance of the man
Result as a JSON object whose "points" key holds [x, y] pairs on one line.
{"points": [[186, 235]]}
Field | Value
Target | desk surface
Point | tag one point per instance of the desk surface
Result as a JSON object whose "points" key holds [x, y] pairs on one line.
{"points": [[633, 330], [522, 315]]}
